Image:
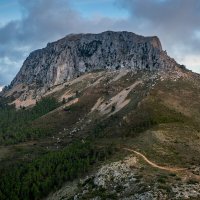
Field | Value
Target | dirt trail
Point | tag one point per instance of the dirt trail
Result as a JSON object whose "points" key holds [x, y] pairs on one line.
{"points": [[172, 169], [186, 173]]}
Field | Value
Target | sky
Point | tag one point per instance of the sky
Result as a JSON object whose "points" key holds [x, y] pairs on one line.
{"points": [[26, 25]]}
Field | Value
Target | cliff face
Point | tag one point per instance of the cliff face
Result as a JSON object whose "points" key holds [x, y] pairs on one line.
{"points": [[76, 54]]}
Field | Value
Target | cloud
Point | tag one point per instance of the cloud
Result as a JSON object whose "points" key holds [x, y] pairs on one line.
{"points": [[42, 22], [176, 22], [192, 61], [9, 68]]}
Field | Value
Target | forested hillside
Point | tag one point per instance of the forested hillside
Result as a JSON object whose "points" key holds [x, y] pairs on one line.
{"points": [[37, 178], [101, 116], [16, 125]]}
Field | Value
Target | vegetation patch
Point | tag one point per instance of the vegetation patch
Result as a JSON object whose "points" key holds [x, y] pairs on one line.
{"points": [[37, 178], [16, 125]]}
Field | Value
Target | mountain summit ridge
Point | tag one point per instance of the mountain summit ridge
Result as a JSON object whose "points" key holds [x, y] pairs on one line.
{"points": [[76, 54]]}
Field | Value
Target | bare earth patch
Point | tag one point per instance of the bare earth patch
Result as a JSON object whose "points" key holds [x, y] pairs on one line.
{"points": [[122, 73], [28, 102], [119, 101]]}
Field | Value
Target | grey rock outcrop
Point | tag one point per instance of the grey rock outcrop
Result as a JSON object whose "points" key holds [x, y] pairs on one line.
{"points": [[76, 54]]}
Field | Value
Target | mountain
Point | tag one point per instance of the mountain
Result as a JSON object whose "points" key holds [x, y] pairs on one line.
{"points": [[77, 54], [101, 116]]}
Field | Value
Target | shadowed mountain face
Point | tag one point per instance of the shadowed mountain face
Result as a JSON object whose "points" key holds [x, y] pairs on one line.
{"points": [[77, 54]]}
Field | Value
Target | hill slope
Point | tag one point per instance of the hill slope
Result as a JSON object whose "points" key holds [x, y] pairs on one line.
{"points": [[127, 133]]}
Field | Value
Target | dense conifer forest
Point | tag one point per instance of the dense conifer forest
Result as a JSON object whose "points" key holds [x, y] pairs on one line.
{"points": [[35, 179], [40, 175], [15, 125]]}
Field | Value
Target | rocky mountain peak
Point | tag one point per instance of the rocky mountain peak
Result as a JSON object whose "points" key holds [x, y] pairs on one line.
{"points": [[77, 54]]}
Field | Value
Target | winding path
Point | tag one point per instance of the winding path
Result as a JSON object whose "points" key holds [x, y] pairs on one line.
{"points": [[172, 169]]}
